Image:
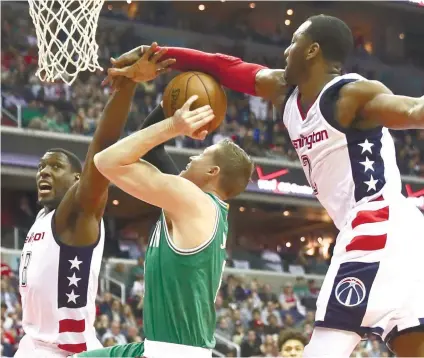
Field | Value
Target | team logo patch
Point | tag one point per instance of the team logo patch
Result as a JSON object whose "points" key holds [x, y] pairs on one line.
{"points": [[350, 292]]}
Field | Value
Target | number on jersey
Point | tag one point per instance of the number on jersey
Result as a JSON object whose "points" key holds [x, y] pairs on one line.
{"points": [[224, 241], [26, 257], [223, 246], [306, 162]]}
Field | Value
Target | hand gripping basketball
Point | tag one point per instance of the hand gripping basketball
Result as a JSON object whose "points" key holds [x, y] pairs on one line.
{"points": [[188, 123], [146, 68]]}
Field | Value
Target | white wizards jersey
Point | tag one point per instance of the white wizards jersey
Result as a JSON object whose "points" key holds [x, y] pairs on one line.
{"points": [[345, 167], [58, 286]]}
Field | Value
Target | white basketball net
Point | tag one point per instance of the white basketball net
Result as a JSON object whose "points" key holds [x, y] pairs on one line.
{"points": [[66, 37]]}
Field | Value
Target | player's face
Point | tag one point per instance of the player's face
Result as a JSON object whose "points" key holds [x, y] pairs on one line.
{"points": [[296, 56], [54, 177], [292, 348], [201, 169]]}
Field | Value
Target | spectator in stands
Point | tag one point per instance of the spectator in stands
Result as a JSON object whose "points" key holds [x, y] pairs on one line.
{"points": [[300, 287], [105, 305], [137, 288], [132, 334], [272, 327], [373, 348], [109, 342], [128, 316], [239, 333], [223, 328], [272, 261], [270, 310], [8, 295], [267, 294], [136, 271], [292, 344], [101, 324], [219, 306], [79, 124], [254, 294], [317, 265], [269, 347], [115, 333], [246, 310], [288, 300], [116, 311], [251, 345], [256, 321]]}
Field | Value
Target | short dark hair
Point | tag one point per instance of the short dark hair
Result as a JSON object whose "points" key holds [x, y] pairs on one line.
{"points": [[73, 159], [291, 334], [333, 36]]}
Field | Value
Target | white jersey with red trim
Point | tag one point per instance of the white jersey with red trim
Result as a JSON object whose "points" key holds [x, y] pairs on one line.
{"points": [[345, 167], [374, 284], [58, 286]]}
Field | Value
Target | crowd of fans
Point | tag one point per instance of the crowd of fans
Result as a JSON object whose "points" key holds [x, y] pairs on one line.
{"points": [[263, 323], [56, 107]]}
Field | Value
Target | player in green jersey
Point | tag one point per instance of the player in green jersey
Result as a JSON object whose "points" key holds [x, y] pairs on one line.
{"points": [[186, 252]]}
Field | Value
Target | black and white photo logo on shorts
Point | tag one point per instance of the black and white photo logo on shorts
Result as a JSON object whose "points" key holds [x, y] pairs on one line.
{"points": [[350, 292]]}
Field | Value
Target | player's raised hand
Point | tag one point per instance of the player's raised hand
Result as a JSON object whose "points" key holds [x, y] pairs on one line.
{"points": [[146, 68], [190, 122]]}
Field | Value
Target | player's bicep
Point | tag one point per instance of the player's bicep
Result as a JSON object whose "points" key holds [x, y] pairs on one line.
{"points": [[271, 85], [145, 182], [392, 111], [375, 103]]}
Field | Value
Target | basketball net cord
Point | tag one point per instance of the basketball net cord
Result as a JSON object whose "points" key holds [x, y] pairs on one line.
{"points": [[66, 37]]}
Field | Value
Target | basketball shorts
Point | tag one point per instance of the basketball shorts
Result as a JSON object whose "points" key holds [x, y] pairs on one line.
{"points": [[149, 349], [133, 350], [29, 347], [375, 282]]}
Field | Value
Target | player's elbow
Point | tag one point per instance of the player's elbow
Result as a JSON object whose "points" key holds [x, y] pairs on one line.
{"points": [[416, 114], [102, 163]]}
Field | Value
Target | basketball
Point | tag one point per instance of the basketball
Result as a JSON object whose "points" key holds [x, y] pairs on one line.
{"points": [[210, 92]]}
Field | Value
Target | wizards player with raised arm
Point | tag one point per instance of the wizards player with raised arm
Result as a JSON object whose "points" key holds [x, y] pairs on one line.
{"points": [[60, 261], [339, 125]]}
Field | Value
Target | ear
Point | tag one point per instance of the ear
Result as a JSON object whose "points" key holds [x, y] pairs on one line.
{"points": [[214, 170], [313, 51], [77, 176]]}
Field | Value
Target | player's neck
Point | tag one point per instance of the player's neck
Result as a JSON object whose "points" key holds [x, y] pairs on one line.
{"points": [[214, 192], [311, 88], [48, 209]]}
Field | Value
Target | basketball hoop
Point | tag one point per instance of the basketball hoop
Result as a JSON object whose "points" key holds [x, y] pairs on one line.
{"points": [[66, 37]]}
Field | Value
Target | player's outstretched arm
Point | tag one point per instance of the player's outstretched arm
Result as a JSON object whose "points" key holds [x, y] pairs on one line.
{"points": [[82, 207], [120, 163], [230, 71], [373, 104]]}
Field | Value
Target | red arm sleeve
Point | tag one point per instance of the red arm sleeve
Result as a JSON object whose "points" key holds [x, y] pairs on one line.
{"points": [[230, 71]]}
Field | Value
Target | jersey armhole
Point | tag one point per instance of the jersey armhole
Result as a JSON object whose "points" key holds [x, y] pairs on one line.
{"points": [[62, 244], [201, 247], [327, 106], [328, 101]]}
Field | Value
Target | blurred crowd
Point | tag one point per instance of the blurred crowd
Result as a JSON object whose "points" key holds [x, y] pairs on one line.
{"points": [[58, 108], [262, 322]]}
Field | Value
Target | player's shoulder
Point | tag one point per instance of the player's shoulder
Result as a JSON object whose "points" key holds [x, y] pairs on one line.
{"points": [[354, 93], [363, 89]]}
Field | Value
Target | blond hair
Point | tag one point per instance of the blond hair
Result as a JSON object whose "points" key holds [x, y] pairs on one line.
{"points": [[236, 167]]}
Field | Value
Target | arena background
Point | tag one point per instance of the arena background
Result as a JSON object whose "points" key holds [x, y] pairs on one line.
{"points": [[280, 237]]}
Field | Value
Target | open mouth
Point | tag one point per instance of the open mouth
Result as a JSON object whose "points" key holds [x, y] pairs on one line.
{"points": [[44, 187]]}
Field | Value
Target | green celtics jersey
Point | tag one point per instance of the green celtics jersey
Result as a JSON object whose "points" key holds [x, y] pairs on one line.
{"points": [[181, 285]]}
